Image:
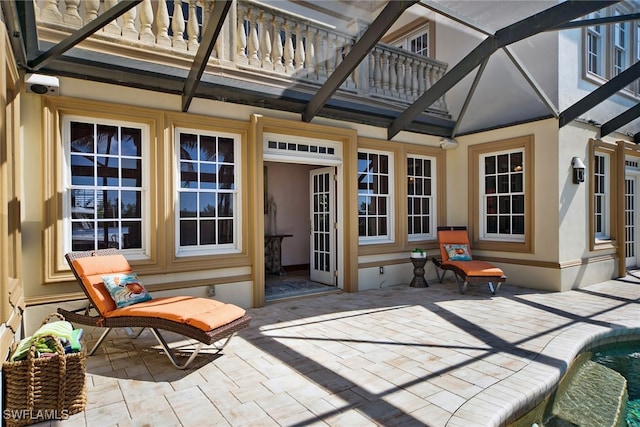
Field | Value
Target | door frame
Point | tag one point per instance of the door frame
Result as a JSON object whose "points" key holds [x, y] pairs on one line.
{"points": [[346, 191], [632, 174]]}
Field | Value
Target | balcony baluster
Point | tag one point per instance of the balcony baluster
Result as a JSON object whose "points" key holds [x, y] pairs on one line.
{"points": [[162, 22], [310, 59], [177, 27], [112, 28], [146, 22], [242, 36], [266, 25], [50, 12], [71, 16], [129, 30], [299, 57], [253, 45], [91, 8], [278, 47], [193, 28]]}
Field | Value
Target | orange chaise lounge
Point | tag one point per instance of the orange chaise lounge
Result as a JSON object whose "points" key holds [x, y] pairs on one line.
{"points": [[455, 253], [208, 321]]}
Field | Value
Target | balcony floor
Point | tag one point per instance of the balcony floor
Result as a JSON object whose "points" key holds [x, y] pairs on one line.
{"points": [[392, 356]]}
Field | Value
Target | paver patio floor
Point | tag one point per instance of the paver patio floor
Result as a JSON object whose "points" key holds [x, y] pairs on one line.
{"points": [[397, 356]]}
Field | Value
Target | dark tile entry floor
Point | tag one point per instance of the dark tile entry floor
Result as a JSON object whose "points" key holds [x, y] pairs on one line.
{"points": [[294, 284]]}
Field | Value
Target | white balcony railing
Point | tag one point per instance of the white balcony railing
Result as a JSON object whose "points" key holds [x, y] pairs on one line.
{"points": [[255, 37]]}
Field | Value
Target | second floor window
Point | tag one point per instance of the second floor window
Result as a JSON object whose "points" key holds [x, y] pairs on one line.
{"points": [[106, 196], [416, 42], [421, 197], [620, 46], [374, 196], [207, 214], [609, 48], [503, 198], [595, 48]]}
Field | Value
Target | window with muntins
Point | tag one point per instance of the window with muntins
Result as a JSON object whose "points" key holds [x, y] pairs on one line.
{"points": [[601, 197], [595, 48], [374, 197], [420, 44], [502, 196], [611, 48], [207, 214], [421, 197], [416, 42], [620, 46], [106, 194]]}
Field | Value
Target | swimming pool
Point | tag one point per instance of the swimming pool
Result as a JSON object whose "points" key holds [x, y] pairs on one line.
{"points": [[624, 358], [601, 388]]}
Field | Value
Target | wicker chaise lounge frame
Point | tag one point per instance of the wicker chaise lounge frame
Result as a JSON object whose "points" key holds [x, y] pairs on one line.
{"points": [[155, 324], [466, 272]]}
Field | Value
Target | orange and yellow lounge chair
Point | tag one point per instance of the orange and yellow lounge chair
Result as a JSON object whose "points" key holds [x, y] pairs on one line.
{"points": [[116, 299], [455, 255]]}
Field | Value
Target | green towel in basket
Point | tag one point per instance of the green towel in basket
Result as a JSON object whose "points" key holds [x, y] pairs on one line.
{"points": [[60, 329]]}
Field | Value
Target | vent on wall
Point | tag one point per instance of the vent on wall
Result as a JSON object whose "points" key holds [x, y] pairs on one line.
{"points": [[42, 85]]}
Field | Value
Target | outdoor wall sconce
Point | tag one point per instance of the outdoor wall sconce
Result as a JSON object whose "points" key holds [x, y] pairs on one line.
{"points": [[578, 170]]}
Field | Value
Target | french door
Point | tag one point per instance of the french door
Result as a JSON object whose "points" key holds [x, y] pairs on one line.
{"points": [[630, 220], [322, 264]]}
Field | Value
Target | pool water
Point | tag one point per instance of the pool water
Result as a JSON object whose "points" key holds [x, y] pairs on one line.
{"points": [[624, 358], [594, 391]]}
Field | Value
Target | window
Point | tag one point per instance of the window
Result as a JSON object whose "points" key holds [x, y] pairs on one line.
{"points": [[595, 47], [608, 48], [601, 196], [602, 193], [502, 191], [416, 42], [620, 46], [421, 197], [208, 211], [106, 194], [374, 196], [503, 198]]}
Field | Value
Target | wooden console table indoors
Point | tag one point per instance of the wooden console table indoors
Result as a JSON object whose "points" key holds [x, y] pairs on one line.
{"points": [[273, 253]]}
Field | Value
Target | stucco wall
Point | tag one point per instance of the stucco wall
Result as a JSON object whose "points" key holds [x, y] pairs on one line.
{"points": [[289, 185]]}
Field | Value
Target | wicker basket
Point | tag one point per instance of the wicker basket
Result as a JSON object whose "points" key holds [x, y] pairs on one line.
{"points": [[44, 388]]}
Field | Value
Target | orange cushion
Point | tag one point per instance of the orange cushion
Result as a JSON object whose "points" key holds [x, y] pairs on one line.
{"points": [[452, 237], [91, 269], [203, 313], [476, 268]]}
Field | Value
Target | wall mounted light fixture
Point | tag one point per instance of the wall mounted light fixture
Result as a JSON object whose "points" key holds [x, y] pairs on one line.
{"points": [[578, 170]]}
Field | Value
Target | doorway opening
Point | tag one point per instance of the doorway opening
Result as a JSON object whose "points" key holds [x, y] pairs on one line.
{"points": [[301, 250]]}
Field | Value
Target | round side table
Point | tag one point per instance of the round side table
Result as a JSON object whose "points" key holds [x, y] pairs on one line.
{"points": [[418, 272]]}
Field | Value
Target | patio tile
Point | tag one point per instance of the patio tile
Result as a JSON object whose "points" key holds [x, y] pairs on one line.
{"points": [[394, 356]]}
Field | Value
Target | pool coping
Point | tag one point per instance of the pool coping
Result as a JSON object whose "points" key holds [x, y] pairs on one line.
{"points": [[513, 397]]}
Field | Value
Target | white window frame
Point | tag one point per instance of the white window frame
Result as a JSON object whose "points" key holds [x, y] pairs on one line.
{"points": [[405, 42], [500, 237], [601, 197], [620, 44], [595, 36], [390, 208], [213, 249], [432, 199], [132, 253]]}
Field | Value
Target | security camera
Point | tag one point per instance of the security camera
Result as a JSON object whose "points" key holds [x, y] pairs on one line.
{"points": [[41, 84], [448, 143]]}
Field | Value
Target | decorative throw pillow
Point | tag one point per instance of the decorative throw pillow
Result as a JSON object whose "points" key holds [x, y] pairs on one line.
{"points": [[458, 252], [125, 289]]}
